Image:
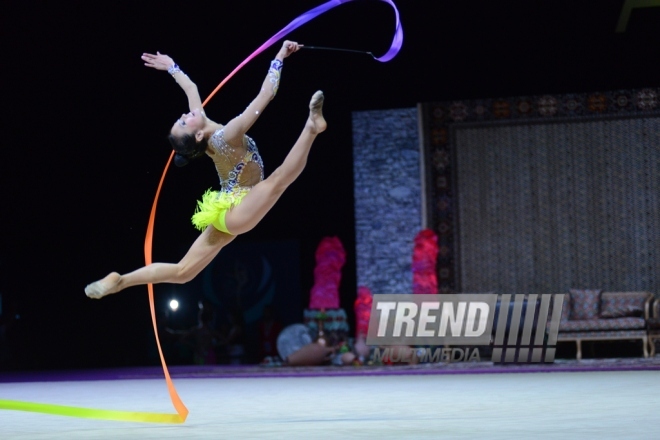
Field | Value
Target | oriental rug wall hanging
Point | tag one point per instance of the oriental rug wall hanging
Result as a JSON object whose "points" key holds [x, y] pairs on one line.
{"points": [[539, 194]]}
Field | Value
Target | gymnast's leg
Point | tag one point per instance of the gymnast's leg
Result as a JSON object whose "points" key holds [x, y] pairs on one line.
{"points": [[263, 196], [203, 250]]}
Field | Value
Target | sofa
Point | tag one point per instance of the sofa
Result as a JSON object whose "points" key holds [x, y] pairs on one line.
{"points": [[594, 315]]}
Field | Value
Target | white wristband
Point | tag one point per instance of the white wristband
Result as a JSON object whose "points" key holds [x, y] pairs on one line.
{"points": [[174, 68]]}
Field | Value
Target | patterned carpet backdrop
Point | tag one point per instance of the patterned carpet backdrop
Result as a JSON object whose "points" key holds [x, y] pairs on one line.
{"points": [[545, 193]]}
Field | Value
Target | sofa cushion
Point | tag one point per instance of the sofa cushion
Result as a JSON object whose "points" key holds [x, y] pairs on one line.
{"points": [[602, 324], [585, 303], [566, 308], [622, 304]]}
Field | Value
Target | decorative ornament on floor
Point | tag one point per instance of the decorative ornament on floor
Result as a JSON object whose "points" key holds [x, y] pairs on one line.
{"points": [[362, 307], [324, 317], [330, 258], [320, 319], [292, 339], [425, 257]]}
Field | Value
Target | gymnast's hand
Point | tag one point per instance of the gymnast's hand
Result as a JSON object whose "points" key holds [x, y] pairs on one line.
{"points": [[158, 61], [288, 47]]}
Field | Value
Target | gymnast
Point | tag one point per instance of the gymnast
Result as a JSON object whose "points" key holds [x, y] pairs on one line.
{"points": [[245, 196]]}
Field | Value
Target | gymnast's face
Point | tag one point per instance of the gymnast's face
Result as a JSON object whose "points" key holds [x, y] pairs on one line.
{"points": [[189, 123]]}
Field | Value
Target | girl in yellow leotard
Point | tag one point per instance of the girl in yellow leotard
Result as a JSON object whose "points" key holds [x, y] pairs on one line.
{"points": [[245, 196]]}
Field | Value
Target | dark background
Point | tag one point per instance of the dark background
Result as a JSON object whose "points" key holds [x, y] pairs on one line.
{"points": [[84, 125]]}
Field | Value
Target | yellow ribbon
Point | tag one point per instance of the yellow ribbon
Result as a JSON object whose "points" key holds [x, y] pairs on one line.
{"points": [[123, 416]]}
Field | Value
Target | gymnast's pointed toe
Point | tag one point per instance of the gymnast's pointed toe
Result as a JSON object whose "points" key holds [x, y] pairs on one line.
{"points": [[316, 120]]}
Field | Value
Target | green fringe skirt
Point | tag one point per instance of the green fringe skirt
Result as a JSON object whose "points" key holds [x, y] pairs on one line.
{"points": [[213, 207]]}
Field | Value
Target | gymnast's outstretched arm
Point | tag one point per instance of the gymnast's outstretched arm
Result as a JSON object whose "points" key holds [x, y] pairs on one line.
{"points": [[237, 127], [163, 62]]}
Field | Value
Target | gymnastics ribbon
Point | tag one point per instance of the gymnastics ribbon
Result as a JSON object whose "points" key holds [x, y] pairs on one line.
{"points": [[181, 410]]}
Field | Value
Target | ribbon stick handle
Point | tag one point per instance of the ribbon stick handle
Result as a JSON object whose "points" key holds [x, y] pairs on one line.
{"points": [[339, 50]]}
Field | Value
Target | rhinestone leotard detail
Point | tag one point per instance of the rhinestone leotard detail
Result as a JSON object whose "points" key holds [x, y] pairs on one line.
{"points": [[238, 167]]}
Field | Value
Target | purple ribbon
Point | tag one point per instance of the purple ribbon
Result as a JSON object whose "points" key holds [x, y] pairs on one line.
{"points": [[310, 15], [313, 13]]}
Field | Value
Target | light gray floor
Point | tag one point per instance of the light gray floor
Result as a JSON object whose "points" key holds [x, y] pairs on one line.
{"points": [[598, 405]]}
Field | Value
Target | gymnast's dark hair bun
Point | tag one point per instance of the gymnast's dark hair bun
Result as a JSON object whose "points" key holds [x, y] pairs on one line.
{"points": [[180, 161], [187, 149]]}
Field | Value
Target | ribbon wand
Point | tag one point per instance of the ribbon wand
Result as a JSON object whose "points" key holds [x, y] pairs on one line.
{"points": [[339, 50]]}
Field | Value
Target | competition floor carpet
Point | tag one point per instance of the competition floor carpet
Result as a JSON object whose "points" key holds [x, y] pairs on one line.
{"points": [[583, 400]]}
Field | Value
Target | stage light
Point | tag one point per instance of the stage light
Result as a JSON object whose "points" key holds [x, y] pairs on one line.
{"points": [[174, 304]]}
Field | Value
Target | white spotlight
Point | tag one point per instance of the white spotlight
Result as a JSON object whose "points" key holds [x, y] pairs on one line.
{"points": [[174, 304]]}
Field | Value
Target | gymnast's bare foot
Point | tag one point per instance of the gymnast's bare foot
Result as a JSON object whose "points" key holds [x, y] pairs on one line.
{"points": [[316, 122], [103, 287]]}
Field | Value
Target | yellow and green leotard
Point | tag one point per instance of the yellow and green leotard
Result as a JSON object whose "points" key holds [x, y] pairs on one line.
{"points": [[239, 169]]}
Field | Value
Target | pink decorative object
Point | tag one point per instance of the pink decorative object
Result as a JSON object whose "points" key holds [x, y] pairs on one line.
{"points": [[330, 257], [425, 256], [362, 309]]}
